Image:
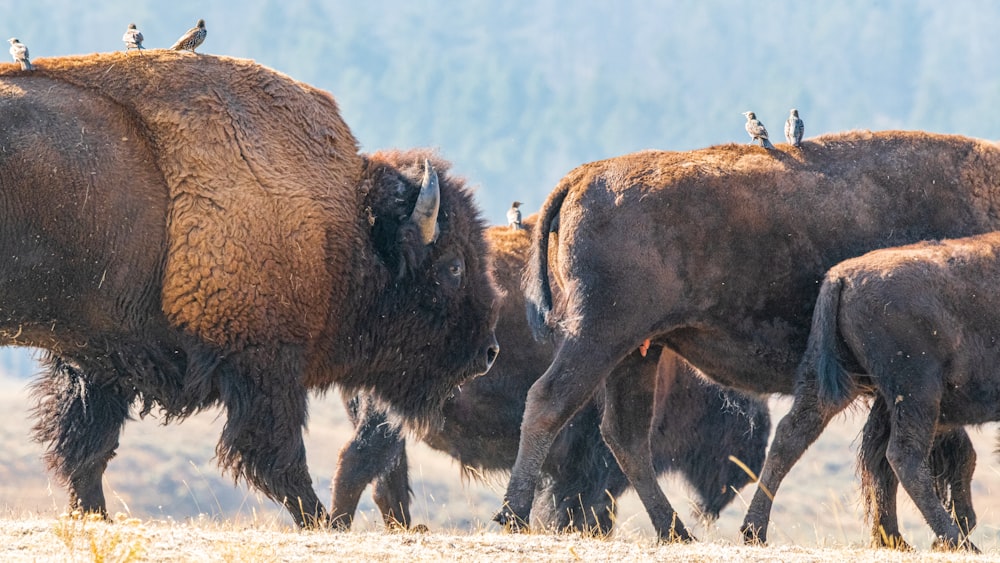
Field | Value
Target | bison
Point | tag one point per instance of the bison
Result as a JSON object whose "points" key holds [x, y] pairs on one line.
{"points": [[697, 427], [917, 324], [183, 233], [717, 254]]}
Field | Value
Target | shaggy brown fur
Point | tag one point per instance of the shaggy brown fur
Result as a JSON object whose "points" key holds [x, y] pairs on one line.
{"points": [[185, 233], [917, 324], [716, 254], [697, 427], [290, 164]]}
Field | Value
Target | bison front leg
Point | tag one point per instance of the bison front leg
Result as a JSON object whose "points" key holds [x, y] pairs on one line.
{"points": [[376, 453], [795, 433], [262, 442], [81, 423], [628, 416], [585, 479]]}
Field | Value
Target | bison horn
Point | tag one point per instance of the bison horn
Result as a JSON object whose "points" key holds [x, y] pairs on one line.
{"points": [[425, 212]]}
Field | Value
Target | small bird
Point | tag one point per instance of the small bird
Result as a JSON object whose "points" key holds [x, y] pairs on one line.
{"points": [[794, 129], [133, 38], [756, 130], [19, 51], [192, 39], [514, 216]]}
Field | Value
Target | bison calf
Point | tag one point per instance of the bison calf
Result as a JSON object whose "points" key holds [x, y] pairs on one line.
{"points": [[917, 324]]}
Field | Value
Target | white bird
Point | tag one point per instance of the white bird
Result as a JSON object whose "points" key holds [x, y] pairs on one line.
{"points": [[19, 51], [794, 129], [133, 38], [514, 215], [756, 130]]}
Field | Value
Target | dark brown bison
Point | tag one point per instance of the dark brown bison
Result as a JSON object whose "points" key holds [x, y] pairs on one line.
{"points": [[918, 325], [697, 426], [717, 255], [184, 233]]}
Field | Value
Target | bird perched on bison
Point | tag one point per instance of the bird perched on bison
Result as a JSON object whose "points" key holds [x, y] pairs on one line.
{"points": [[756, 130], [19, 51], [192, 39], [133, 38], [794, 129], [514, 215]]}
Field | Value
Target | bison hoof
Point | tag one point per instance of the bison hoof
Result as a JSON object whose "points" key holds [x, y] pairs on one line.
{"points": [[754, 535], [948, 544], [510, 521], [678, 536], [895, 542], [341, 523]]}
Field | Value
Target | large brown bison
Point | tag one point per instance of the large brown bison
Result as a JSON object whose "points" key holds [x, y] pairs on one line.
{"points": [[717, 255], [697, 426], [184, 232], [918, 325]]}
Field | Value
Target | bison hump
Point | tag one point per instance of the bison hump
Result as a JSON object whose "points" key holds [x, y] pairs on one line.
{"points": [[262, 173]]}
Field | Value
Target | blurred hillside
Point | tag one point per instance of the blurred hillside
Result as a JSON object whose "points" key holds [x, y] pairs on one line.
{"points": [[517, 94]]}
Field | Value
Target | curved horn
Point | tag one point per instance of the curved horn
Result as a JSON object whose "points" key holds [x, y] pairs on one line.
{"points": [[425, 211]]}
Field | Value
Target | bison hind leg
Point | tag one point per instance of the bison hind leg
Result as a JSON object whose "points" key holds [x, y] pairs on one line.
{"points": [[81, 423], [953, 462], [911, 438], [626, 425], [879, 484], [265, 402]]}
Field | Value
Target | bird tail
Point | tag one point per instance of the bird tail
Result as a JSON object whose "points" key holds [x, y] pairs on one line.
{"points": [[26, 65], [766, 143]]}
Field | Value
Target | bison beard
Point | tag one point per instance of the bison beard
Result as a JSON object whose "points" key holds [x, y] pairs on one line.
{"points": [[183, 236], [716, 254], [481, 422]]}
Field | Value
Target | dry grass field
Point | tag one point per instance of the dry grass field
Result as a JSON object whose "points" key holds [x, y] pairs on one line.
{"points": [[173, 504]]}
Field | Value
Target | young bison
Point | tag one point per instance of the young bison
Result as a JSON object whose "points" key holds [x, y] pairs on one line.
{"points": [[918, 325]]}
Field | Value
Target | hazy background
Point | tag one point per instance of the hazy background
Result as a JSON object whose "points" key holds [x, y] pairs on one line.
{"points": [[517, 94]]}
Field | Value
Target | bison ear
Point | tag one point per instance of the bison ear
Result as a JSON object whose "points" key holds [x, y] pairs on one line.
{"points": [[425, 211]]}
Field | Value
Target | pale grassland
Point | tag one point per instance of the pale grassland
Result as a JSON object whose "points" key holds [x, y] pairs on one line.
{"points": [[34, 538], [175, 505]]}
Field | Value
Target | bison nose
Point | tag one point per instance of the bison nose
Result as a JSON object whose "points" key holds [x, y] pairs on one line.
{"points": [[492, 351]]}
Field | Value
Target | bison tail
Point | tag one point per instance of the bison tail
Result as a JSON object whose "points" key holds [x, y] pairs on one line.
{"points": [[834, 384], [537, 288]]}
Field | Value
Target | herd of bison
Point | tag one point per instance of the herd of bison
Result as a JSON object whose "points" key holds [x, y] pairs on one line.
{"points": [[183, 231]]}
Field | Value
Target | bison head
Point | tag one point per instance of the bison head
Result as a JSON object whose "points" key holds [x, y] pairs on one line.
{"points": [[425, 319]]}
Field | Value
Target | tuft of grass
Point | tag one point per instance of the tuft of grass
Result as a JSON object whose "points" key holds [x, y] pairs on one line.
{"points": [[90, 536]]}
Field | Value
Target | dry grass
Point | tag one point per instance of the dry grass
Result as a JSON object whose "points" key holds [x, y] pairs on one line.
{"points": [[176, 506], [35, 538]]}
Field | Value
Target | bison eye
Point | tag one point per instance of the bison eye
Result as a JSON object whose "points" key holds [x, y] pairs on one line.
{"points": [[450, 272]]}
